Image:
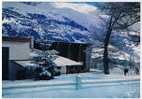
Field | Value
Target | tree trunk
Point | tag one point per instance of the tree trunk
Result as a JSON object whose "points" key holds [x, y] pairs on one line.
{"points": [[105, 56]]}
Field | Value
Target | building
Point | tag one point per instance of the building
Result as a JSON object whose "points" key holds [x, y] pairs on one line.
{"points": [[66, 65], [14, 49], [62, 64], [71, 51], [16, 55]]}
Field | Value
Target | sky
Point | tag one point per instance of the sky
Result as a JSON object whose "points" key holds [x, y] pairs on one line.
{"points": [[83, 7]]}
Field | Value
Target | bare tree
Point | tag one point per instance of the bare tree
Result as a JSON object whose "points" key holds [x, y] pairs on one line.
{"points": [[121, 16]]}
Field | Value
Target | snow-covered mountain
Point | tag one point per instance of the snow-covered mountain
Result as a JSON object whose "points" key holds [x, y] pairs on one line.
{"points": [[56, 21], [69, 22]]}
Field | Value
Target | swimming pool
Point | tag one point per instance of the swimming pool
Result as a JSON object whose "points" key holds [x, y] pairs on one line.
{"points": [[123, 89]]}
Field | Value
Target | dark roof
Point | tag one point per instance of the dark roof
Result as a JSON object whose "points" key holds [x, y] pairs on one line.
{"points": [[16, 39]]}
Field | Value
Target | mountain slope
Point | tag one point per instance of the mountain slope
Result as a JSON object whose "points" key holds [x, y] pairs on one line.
{"points": [[18, 21], [69, 22]]}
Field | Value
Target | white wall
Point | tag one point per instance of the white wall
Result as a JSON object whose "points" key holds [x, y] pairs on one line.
{"points": [[17, 50]]}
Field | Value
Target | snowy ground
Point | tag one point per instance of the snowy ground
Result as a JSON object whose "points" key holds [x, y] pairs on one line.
{"points": [[64, 86]]}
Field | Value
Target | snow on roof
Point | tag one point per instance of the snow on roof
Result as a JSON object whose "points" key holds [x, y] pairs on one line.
{"points": [[26, 63], [39, 52], [33, 54], [62, 61], [95, 50], [121, 55]]}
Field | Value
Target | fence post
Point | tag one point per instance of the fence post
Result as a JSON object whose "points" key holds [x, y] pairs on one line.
{"points": [[77, 82]]}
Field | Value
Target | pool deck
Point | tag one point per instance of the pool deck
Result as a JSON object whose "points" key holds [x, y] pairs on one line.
{"points": [[68, 80], [91, 85]]}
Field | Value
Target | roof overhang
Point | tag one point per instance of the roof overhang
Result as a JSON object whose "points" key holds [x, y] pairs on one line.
{"points": [[62, 61], [16, 39]]}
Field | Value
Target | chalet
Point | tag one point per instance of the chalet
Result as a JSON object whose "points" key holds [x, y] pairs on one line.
{"points": [[74, 52], [14, 49], [16, 53]]}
